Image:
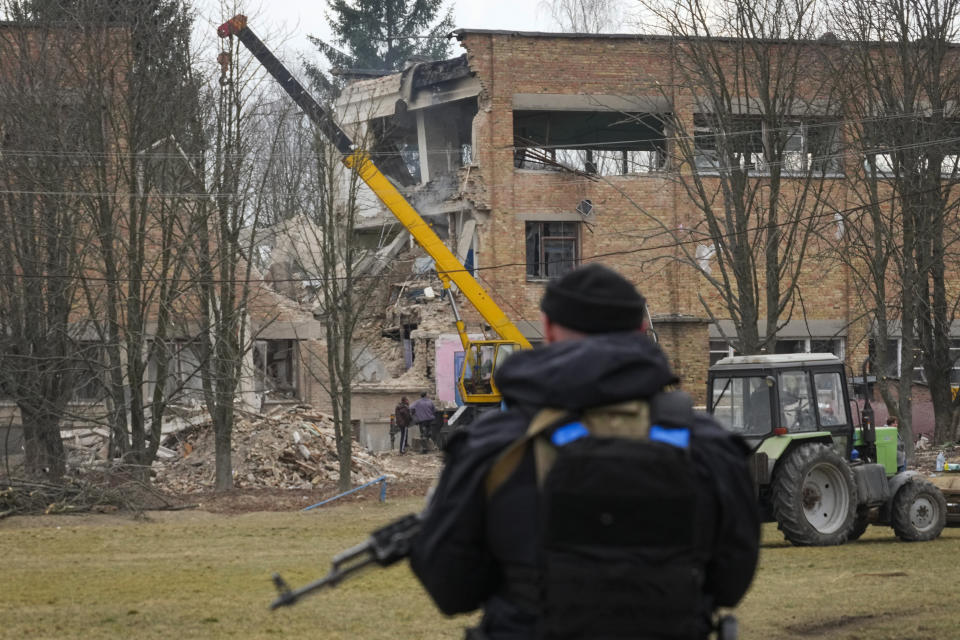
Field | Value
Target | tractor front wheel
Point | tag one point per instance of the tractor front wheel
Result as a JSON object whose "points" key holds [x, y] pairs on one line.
{"points": [[814, 496], [919, 511]]}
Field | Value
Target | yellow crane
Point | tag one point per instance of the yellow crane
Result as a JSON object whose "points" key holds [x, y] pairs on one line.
{"points": [[481, 357]]}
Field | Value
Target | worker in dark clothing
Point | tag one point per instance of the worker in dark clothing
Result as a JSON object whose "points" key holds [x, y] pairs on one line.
{"points": [[402, 418], [424, 413], [486, 548]]}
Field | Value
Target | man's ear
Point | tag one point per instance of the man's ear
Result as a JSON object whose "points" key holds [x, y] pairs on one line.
{"points": [[549, 329]]}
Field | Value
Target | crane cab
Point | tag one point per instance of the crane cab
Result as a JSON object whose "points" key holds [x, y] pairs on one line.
{"points": [[481, 358]]}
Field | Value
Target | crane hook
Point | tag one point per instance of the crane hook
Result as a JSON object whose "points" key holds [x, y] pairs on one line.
{"points": [[223, 59]]}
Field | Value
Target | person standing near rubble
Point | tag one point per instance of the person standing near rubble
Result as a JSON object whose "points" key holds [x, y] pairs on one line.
{"points": [[598, 503], [402, 418], [424, 413]]}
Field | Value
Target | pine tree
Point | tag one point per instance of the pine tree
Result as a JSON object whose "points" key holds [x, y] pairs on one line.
{"points": [[382, 35]]}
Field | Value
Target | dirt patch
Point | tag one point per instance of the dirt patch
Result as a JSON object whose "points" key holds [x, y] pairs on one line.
{"points": [[821, 627], [254, 500]]}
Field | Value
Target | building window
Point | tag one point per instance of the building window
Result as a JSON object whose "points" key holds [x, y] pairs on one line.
{"points": [[955, 358], [184, 376], [891, 155], [885, 164], [166, 171], [810, 345], [747, 142], [892, 369], [735, 144], [920, 374], [597, 162], [719, 349], [596, 142], [275, 368], [86, 369], [895, 364], [811, 146], [553, 249]]}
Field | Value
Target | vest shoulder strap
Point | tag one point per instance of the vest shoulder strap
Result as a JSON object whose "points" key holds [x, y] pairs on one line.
{"points": [[508, 461], [629, 419]]}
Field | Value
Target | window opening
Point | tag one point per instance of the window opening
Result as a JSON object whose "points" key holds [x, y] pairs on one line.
{"points": [[274, 363], [932, 140], [552, 249], [596, 142], [184, 378], [742, 405], [830, 399], [719, 349], [740, 146], [895, 366], [746, 143], [796, 405], [810, 345], [86, 368], [478, 369]]}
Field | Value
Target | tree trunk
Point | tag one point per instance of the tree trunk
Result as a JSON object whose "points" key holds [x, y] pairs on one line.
{"points": [[223, 428], [43, 445]]}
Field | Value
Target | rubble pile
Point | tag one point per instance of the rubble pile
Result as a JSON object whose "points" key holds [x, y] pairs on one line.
{"points": [[290, 449], [925, 454]]}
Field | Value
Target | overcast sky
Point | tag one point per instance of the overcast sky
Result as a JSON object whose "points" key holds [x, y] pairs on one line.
{"points": [[285, 24]]}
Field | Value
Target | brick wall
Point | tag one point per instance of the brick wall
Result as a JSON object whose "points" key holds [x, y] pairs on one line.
{"points": [[632, 213], [686, 343]]}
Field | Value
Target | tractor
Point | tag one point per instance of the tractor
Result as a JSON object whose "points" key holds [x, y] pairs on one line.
{"points": [[819, 476]]}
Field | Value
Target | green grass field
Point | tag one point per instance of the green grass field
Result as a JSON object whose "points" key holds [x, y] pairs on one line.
{"points": [[192, 574]]}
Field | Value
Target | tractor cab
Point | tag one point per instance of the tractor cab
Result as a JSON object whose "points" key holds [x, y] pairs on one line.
{"points": [[782, 395]]}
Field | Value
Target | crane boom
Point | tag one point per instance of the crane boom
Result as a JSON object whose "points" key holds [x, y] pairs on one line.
{"points": [[449, 268]]}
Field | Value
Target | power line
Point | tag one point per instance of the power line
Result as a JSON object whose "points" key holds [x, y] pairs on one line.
{"points": [[808, 121], [506, 265], [709, 172]]}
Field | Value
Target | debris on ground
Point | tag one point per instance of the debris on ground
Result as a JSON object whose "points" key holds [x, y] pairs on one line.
{"points": [[95, 493], [925, 459], [293, 448]]}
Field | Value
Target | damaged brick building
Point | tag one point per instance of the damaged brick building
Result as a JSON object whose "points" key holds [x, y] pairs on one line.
{"points": [[500, 149], [535, 152]]}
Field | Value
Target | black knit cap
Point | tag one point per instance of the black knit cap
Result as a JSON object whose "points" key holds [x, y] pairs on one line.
{"points": [[593, 299]]}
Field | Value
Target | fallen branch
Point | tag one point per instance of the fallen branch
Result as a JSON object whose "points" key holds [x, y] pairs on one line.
{"points": [[97, 493]]}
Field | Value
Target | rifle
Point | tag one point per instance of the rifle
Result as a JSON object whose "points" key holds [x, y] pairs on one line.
{"points": [[384, 547]]}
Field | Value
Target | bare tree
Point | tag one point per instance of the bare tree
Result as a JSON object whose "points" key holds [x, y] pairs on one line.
{"points": [[584, 16], [901, 62], [348, 290], [753, 157], [134, 200], [242, 138], [320, 205], [42, 235]]}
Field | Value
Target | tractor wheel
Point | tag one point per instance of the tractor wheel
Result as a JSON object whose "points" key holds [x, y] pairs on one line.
{"points": [[860, 523], [919, 511], [814, 497]]}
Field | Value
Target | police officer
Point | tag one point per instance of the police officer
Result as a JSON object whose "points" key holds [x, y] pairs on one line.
{"points": [[481, 549]]}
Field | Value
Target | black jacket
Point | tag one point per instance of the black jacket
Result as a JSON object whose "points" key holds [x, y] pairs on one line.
{"points": [[467, 540]]}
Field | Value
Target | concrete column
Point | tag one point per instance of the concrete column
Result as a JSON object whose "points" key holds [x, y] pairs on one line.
{"points": [[424, 150]]}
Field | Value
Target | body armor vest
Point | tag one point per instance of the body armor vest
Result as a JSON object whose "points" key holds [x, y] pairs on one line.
{"points": [[616, 522]]}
